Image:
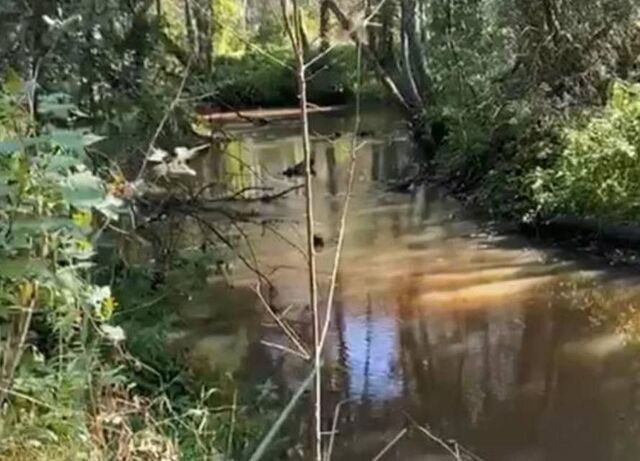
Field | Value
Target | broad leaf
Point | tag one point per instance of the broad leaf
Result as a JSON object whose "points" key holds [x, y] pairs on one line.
{"points": [[83, 190], [20, 268], [75, 140]]}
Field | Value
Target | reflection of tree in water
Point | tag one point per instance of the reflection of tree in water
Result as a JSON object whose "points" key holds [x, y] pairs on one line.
{"points": [[332, 179]]}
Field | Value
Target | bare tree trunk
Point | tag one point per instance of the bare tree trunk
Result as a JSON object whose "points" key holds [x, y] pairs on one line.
{"points": [[190, 27], [204, 33], [385, 40], [324, 25], [407, 64], [416, 49], [372, 40], [385, 78], [407, 99], [304, 40]]}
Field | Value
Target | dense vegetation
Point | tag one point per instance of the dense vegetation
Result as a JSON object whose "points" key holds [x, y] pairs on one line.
{"points": [[538, 109]]}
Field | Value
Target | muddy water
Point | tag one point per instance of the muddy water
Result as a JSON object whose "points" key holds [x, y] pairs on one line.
{"points": [[485, 339]]}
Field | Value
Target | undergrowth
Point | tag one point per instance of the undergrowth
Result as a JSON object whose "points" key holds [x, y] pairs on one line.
{"points": [[597, 170], [85, 369]]}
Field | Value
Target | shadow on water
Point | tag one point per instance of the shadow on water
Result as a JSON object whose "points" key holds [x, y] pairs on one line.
{"points": [[487, 339]]}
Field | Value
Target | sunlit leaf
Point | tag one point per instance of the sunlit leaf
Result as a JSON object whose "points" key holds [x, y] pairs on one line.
{"points": [[13, 83], [84, 190], [75, 140]]}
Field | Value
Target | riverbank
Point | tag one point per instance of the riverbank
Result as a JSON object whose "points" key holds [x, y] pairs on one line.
{"points": [[569, 180]]}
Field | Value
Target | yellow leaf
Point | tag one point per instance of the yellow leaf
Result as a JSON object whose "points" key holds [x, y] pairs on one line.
{"points": [[82, 219], [13, 83]]}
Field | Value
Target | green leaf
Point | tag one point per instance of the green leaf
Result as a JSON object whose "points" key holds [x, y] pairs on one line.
{"points": [[62, 162], [75, 140], [83, 190], [10, 146], [111, 207], [59, 110], [24, 267], [13, 83], [31, 225]]}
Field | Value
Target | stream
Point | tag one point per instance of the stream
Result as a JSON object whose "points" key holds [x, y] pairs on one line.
{"points": [[486, 339]]}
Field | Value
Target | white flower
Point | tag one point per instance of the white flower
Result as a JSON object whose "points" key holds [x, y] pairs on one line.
{"points": [[157, 155], [99, 294], [114, 334], [184, 154]]}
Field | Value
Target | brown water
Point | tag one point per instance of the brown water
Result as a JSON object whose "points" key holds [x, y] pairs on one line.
{"points": [[485, 339]]}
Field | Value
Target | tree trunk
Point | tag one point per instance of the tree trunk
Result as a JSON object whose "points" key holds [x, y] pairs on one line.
{"points": [[416, 47], [385, 78], [406, 99], [407, 42], [324, 25], [371, 31], [385, 40], [203, 14], [304, 40], [189, 26]]}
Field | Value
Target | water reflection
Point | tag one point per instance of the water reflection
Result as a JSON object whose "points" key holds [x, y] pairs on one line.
{"points": [[475, 335]]}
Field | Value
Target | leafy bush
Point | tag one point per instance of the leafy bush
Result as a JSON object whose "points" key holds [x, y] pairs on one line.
{"points": [[53, 319], [256, 80], [597, 172]]}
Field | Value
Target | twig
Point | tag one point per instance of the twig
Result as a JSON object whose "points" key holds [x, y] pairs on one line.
{"points": [[165, 117], [269, 198], [264, 53], [334, 427], [297, 43], [264, 444], [345, 210], [285, 349], [13, 351], [439, 441], [283, 325], [353, 29], [229, 245], [232, 424], [390, 445], [288, 241], [28, 398]]}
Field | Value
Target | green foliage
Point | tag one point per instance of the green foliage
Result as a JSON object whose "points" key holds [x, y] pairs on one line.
{"points": [[597, 172], [48, 304], [225, 39], [257, 80], [253, 80]]}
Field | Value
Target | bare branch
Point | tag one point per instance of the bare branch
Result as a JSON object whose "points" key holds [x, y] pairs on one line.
{"points": [[287, 330]]}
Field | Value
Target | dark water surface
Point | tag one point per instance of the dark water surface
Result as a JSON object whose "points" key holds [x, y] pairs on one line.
{"points": [[483, 338]]}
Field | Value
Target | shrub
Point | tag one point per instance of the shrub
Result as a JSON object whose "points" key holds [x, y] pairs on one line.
{"points": [[597, 171], [257, 80]]}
